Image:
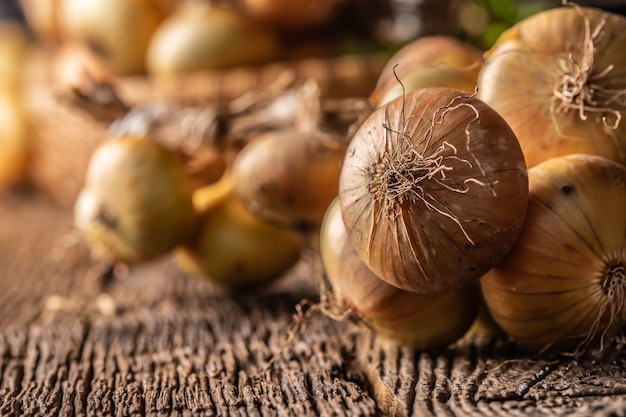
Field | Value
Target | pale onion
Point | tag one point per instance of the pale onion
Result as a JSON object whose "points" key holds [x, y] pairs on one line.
{"points": [[232, 247], [418, 321], [200, 36], [559, 80], [433, 190], [119, 31], [136, 204], [429, 61], [562, 285]]}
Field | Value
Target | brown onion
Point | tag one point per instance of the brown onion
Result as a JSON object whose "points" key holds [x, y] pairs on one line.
{"points": [[559, 80], [433, 190], [288, 177], [418, 321], [562, 284]]}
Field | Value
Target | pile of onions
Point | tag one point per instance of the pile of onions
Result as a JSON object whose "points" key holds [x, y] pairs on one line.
{"points": [[559, 79], [433, 190], [403, 317], [562, 285]]}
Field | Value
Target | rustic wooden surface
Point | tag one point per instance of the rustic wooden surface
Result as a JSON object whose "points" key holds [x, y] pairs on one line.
{"points": [[155, 342]]}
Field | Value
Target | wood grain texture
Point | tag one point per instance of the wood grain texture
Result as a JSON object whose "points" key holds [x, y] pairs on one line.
{"points": [[155, 342]]}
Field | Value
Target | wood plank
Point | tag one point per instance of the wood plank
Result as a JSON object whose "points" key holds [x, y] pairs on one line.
{"points": [[158, 343]]}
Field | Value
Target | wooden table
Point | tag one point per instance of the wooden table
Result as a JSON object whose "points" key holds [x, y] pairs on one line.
{"points": [[156, 342]]}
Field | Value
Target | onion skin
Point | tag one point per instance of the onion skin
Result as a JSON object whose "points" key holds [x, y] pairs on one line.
{"points": [[136, 204], [429, 61], [417, 321], [552, 289], [433, 234], [524, 66]]}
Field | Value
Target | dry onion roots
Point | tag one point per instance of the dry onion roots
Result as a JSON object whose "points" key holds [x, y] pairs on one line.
{"points": [[562, 284], [433, 190]]}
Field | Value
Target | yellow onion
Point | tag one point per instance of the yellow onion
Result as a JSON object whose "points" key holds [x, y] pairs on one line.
{"points": [[201, 36], [289, 177], [429, 61], [433, 190], [558, 78], [119, 31], [233, 247], [562, 285], [136, 204], [418, 321]]}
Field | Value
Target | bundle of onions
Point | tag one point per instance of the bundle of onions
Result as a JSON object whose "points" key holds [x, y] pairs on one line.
{"points": [[558, 79], [429, 61], [418, 321], [433, 190], [562, 285]]}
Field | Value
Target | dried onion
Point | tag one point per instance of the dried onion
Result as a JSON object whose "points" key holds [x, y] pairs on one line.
{"points": [[562, 284], [433, 190]]}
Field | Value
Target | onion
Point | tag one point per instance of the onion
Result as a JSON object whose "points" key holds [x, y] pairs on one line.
{"points": [[202, 36], [429, 61], [117, 30], [289, 177], [136, 204], [232, 247], [433, 190], [558, 80], [15, 135], [562, 285], [418, 321], [291, 14]]}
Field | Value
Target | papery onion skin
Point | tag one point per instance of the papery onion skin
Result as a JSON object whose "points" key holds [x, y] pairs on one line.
{"points": [[429, 61], [568, 263], [417, 321], [435, 234], [525, 65]]}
